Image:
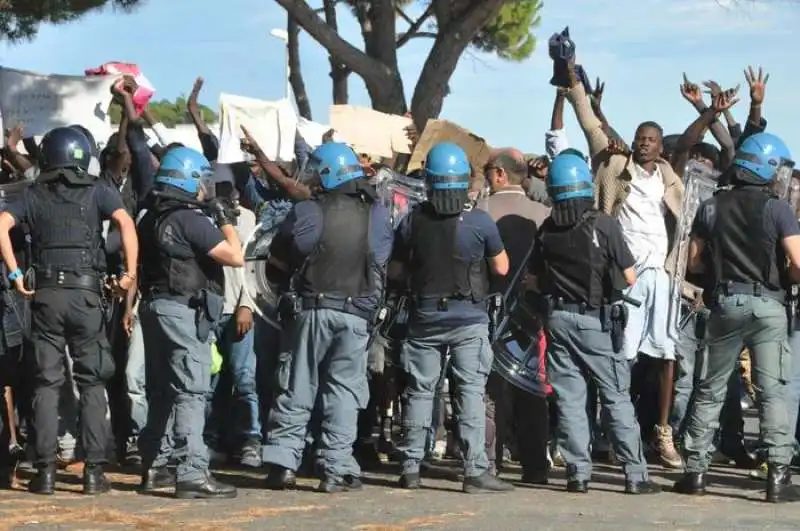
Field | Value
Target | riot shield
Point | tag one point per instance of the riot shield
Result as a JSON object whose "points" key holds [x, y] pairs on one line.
{"points": [[399, 193], [700, 183], [782, 185], [255, 281]]}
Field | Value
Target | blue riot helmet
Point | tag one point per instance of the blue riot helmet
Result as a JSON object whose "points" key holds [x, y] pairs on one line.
{"points": [[335, 164], [764, 155], [187, 170], [447, 168], [569, 177], [65, 147]]}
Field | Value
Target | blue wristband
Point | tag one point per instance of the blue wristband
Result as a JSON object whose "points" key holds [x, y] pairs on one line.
{"points": [[14, 275]]}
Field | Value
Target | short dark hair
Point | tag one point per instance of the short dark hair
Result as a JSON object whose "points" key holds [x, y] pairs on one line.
{"points": [[707, 151], [516, 169], [652, 125]]}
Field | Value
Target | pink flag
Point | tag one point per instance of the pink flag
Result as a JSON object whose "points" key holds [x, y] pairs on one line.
{"points": [[144, 90]]}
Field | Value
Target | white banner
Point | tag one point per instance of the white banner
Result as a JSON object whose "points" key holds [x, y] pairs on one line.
{"points": [[272, 124], [40, 102]]}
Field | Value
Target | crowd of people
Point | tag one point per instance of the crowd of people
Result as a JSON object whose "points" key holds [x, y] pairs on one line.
{"points": [[130, 338]]}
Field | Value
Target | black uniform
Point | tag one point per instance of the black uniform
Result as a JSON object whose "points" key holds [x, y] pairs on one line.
{"points": [[64, 210]]}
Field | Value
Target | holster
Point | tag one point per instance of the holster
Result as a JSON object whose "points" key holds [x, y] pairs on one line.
{"points": [[616, 320], [495, 307], [289, 305], [791, 307], [208, 311]]}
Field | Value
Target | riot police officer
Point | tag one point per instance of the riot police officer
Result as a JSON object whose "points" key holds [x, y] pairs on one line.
{"points": [[64, 210], [581, 259], [446, 247], [741, 238], [182, 301], [336, 248]]}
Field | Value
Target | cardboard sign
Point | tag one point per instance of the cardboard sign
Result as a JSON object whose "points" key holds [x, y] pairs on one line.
{"points": [[273, 125], [371, 132], [438, 131], [43, 102]]}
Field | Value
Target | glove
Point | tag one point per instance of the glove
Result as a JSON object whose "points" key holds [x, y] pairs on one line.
{"points": [[219, 213]]}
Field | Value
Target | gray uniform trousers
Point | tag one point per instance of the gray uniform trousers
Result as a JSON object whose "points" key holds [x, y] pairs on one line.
{"points": [[579, 351], [178, 379], [793, 404], [470, 363], [324, 354], [758, 323]]}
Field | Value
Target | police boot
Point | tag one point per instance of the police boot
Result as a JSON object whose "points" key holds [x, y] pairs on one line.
{"points": [[156, 478], [206, 487], [280, 478], [410, 481], [44, 482], [739, 455], [94, 480], [346, 483], [779, 484], [641, 487], [693, 483], [485, 483]]}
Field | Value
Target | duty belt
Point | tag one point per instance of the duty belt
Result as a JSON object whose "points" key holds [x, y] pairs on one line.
{"points": [[158, 292], [574, 307], [347, 305], [68, 279], [727, 289]]}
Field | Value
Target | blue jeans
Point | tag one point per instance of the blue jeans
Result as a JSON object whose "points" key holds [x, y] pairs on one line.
{"points": [[135, 379], [234, 406]]}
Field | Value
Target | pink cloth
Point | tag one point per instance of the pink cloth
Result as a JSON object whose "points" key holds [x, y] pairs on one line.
{"points": [[144, 90]]}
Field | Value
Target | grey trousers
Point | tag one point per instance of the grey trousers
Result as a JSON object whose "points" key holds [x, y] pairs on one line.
{"points": [[470, 363], [324, 354], [178, 378], [579, 352], [758, 323]]}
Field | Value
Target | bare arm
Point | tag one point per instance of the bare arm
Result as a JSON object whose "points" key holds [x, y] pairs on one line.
{"points": [[694, 263], [229, 252], [499, 264], [630, 276], [194, 109], [791, 246], [130, 242]]}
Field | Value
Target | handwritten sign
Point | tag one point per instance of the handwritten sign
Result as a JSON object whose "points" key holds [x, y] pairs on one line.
{"points": [[438, 131], [371, 132], [272, 124], [42, 102]]}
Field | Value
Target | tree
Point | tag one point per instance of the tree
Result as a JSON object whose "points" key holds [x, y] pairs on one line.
{"points": [[295, 71], [20, 19], [499, 26], [169, 113]]}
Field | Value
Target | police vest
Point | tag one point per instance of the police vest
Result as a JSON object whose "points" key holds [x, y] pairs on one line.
{"points": [[168, 269], [438, 270], [342, 264], [66, 228], [740, 249], [574, 269]]}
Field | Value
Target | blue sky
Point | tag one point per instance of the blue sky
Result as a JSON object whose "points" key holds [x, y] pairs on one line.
{"points": [[638, 47]]}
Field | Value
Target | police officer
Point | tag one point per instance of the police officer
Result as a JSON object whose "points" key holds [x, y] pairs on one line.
{"points": [[741, 238], [336, 247], [446, 247], [182, 286], [64, 210], [580, 259]]}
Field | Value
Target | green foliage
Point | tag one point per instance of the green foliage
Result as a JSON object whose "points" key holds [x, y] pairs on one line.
{"points": [[510, 35], [169, 113], [20, 19]]}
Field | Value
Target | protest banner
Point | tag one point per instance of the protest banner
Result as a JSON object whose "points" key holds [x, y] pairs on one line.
{"points": [[371, 132], [272, 124], [438, 131], [42, 102]]}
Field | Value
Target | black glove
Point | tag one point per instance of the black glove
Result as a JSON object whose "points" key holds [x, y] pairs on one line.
{"points": [[220, 213]]}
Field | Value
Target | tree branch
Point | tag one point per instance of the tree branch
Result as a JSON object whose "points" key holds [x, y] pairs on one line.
{"points": [[328, 38], [405, 37], [413, 25]]}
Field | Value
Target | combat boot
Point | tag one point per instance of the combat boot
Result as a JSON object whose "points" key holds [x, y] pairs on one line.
{"points": [[332, 485], [779, 484], [156, 478], [485, 483], [94, 480], [665, 446], [44, 482], [280, 478], [693, 483], [206, 487]]}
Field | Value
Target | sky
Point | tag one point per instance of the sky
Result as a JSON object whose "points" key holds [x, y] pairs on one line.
{"points": [[639, 48]]}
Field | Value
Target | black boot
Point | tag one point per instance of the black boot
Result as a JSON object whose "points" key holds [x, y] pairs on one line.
{"points": [[156, 478], [332, 485], [206, 487], [94, 480], [693, 483], [485, 483], [779, 484], [280, 478], [44, 482], [739, 455]]}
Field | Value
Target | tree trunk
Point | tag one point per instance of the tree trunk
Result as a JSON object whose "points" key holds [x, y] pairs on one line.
{"points": [[339, 72], [295, 69], [453, 39]]}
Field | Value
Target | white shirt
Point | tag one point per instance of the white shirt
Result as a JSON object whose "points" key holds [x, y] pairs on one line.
{"points": [[642, 219]]}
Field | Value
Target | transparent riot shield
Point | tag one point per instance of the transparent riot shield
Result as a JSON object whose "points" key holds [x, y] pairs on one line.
{"points": [[256, 282], [399, 193], [782, 185], [700, 183]]}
